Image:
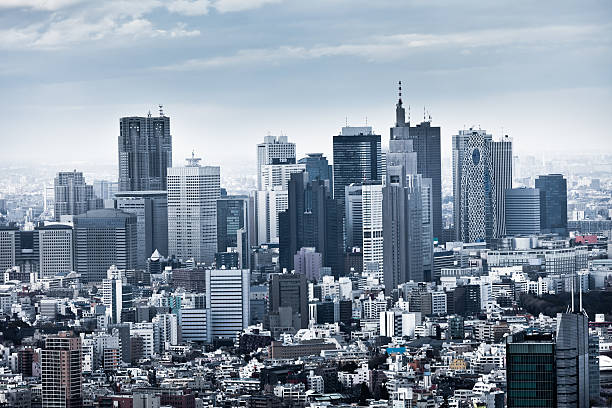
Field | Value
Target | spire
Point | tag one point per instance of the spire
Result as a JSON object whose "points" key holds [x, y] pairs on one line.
{"points": [[193, 161], [400, 113]]}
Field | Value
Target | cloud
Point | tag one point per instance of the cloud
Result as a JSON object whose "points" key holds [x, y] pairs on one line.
{"points": [[226, 6], [189, 7], [393, 47], [49, 5]]}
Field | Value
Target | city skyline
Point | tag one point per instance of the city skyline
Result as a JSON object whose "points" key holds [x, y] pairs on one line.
{"points": [[542, 80]]}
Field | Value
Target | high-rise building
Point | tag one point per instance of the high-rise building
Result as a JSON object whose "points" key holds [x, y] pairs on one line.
{"points": [[274, 150], [402, 211], [7, 247], [55, 249], [227, 297], [312, 219], [116, 294], [530, 370], [61, 372], [193, 192], [232, 225], [426, 144], [318, 168], [105, 189], [151, 210], [372, 224], [288, 301], [482, 172], [72, 195], [522, 211], [572, 360], [271, 198], [353, 217], [103, 238], [553, 203], [501, 160], [357, 158], [145, 152]]}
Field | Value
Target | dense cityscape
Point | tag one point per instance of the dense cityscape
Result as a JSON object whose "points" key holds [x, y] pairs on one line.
{"points": [[363, 279]]}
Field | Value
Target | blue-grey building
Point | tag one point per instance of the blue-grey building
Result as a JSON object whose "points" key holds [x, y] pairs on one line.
{"points": [[318, 168], [553, 203], [522, 211]]}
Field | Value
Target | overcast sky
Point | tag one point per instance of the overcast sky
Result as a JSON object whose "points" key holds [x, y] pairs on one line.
{"points": [[230, 71]]}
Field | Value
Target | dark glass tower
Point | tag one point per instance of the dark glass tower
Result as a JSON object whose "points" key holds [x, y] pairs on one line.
{"points": [[357, 158], [553, 203], [318, 168], [312, 219], [145, 152], [531, 370], [231, 218]]}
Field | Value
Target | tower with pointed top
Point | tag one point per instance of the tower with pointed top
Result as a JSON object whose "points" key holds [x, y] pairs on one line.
{"points": [[426, 143]]}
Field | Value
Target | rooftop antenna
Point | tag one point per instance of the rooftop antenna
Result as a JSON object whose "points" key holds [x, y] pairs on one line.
{"points": [[193, 161], [149, 114], [424, 114], [400, 92], [580, 294], [366, 121], [408, 113], [161, 110], [346, 121]]}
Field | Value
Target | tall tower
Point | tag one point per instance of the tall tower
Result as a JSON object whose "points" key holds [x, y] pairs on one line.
{"points": [[193, 192], [501, 159], [145, 152], [61, 372], [426, 144], [274, 150], [553, 203], [357, 158], [72, 195]]}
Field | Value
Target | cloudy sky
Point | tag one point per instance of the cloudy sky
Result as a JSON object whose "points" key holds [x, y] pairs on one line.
{"points": [[229, 72]]}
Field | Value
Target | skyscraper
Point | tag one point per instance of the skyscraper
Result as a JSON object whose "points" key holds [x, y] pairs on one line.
{"points": [[522, 211], [402, 211], [232, 216], [372, 224], [103, 238], [426, 144], [572, 360], [312, 219], [72, 195], [353, 215], [501, 160], [274, 150], [459, 145], [357, 158], [55, 249], [553, 203], [193, 192], [227, 297], [145, 152], [151, 210], [531, 370], [61, 372], [318, 168]]}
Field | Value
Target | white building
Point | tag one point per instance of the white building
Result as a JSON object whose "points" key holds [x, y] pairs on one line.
{"points": [[227, 297], [55, 249], [192, 211], [168, 329], [274, 150], [371, 202]]}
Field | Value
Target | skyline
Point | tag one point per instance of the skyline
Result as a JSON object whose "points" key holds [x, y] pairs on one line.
{"points": [[236, 70]]}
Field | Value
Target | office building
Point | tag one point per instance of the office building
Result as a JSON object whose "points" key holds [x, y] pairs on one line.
{"points": [[105, 190], [501, 160], [227, 297], [151, 210], [103, 238], [372, 224], [72, 195], [61, 374], [116, 294], [274, 150], [288, 301], [353, 217], [308, 262], [572, 360], [193, 192], [232, 226], [195, 325], [145, 152], [426, 144], [553, 203], [402, 212], [531, 370], [522, 211], [312, 219], [459, 143], [357, 158], [55, 248], [318, 168], [7, 247]]}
